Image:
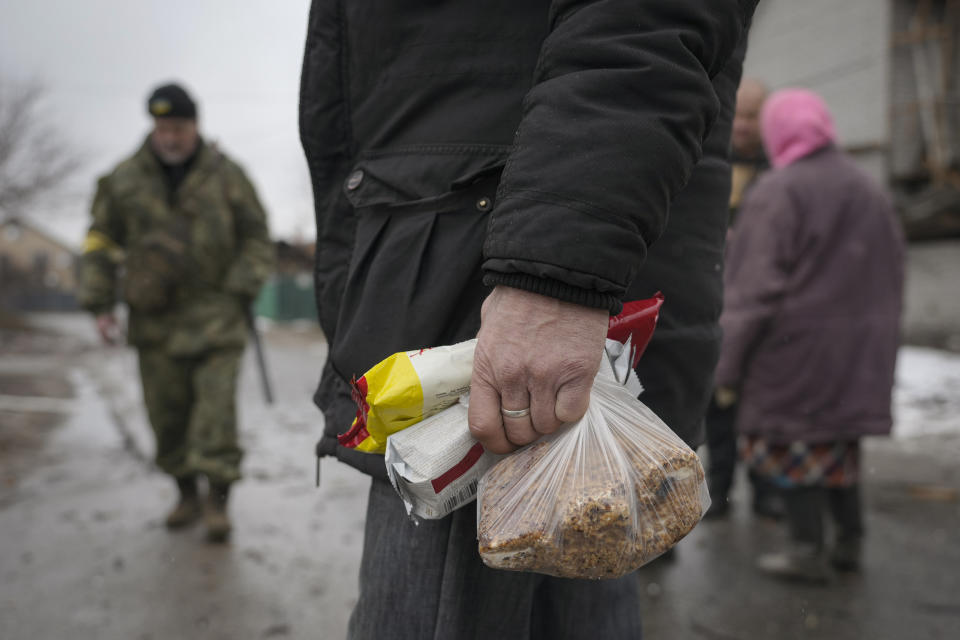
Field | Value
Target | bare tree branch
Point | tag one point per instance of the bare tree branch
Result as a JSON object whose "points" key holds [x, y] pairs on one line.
{"points": [[35, 158]]}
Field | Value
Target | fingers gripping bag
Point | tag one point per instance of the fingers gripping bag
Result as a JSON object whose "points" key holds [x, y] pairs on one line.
{"points": [[596, 500], [410, 386]]}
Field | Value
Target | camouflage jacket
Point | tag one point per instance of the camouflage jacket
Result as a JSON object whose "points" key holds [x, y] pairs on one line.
{"points": [[228, 253]]}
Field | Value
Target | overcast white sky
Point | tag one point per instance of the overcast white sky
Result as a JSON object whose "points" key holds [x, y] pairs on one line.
{"points": [[100, 58]]}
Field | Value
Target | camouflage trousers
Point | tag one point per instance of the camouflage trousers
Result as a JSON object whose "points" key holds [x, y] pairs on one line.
{"points": [[192, 407]]}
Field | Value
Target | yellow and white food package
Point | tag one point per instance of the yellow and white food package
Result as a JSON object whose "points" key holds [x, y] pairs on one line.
{"points": [[404, 389]]}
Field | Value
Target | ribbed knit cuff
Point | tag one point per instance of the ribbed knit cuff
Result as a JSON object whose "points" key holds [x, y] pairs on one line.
{"points": [[555, 289]]}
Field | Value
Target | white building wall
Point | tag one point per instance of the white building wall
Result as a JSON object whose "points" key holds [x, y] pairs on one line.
{"points": [[838, 48]]}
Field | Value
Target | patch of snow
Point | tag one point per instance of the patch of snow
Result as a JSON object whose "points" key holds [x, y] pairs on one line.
{"points": [[926, 397]]}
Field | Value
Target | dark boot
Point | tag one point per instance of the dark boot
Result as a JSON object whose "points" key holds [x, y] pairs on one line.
{"points": [[215, 516], [845, 555], [767, 501], [805, 560], [845, 508], [187, 510], [719, 508], [722, 450]]}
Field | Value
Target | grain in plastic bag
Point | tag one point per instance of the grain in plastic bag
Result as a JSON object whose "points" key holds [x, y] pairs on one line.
{"points": [[596, 500]]}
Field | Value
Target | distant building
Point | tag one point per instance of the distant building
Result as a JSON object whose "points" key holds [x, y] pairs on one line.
{"points": [[288, 295], [890, 71], [295, 257], [37, 271]]}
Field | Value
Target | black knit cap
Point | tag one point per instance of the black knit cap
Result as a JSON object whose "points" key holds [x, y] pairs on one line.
{"points": [[171, 101]]}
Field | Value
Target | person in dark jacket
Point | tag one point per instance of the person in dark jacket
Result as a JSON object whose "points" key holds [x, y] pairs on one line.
{"points": [[811, 329], [505, 168], [748, 162]]}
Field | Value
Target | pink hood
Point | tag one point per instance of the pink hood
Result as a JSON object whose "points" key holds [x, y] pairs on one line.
{"points": [[795, 123]]}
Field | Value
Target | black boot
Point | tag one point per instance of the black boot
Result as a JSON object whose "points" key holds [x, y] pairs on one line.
{"points": [[767, 501], [722, 450], [188, 507], [847, 515], [719, 508], [215, 516]]}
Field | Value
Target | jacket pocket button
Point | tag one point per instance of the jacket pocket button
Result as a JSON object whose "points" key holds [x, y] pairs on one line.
{"points": [[483, 204], [355, 179]]}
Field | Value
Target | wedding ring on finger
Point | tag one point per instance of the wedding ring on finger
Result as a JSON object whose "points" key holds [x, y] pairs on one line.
{"points": [[518, 413]]}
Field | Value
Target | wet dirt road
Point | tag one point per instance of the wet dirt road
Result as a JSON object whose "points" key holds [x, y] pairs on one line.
{"points": [[83, 553]]}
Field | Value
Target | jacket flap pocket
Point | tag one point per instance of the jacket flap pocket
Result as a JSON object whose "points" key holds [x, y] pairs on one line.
{"points": [[415, 175]]}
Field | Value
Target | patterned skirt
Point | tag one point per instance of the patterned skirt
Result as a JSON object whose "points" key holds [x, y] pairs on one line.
{"points": [[801, 464]]}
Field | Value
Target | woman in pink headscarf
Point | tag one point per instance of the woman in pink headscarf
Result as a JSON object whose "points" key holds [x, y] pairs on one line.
{"points": [[811, 328]]}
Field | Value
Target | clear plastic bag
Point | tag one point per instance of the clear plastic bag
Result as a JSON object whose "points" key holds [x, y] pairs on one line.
{"points": [[596, 500]]}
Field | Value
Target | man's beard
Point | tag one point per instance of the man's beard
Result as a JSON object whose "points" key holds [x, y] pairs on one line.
{"points": [[173, 156]]}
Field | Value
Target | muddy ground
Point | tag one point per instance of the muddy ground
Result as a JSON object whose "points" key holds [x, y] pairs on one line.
{"points": [[83, 553]]}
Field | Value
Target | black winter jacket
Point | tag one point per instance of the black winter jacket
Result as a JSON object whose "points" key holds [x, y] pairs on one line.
{"points": [[589, 115]]}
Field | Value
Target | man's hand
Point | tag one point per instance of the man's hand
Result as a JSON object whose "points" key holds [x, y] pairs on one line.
{"points": [[533, 352], [108, 328]]}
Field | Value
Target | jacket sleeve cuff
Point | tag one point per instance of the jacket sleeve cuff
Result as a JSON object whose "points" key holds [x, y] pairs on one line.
{"points": [[555, 289]]}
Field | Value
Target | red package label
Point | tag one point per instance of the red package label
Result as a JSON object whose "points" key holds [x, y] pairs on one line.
{"points": [[637, 321]]}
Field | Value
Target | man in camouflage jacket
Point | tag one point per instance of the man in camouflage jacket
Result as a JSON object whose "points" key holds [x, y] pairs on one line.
{"points": [[179, 233]]}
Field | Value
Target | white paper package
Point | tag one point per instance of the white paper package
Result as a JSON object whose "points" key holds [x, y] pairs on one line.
{"points": [[436, 464]]}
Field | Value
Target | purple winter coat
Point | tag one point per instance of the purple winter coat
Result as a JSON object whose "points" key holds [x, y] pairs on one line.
{"points": [[814, 288]]}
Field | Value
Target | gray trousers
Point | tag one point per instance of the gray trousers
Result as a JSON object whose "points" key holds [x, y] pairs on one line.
{"points": [[426, 581]]}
